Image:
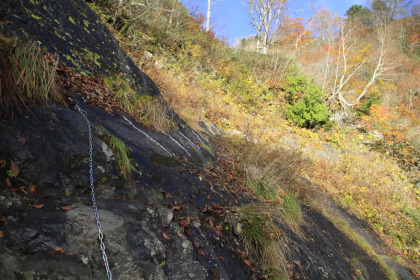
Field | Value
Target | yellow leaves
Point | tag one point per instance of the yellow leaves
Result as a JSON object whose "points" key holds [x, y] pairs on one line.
{"points": [[362, 54], [195, 51]]}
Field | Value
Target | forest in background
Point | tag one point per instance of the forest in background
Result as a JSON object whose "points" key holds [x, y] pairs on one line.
{"points": [[348, 86]]}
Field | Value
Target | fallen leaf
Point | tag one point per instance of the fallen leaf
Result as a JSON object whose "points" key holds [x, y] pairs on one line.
{"points": [[184, 223], [1, 234], [32, 190], [2, 218], [22, 140], [58, 249], [67, 207], [37, 205], [165, 236], [201, 252], [14, 168], [179, 234], [8, 183], [215, 275]]}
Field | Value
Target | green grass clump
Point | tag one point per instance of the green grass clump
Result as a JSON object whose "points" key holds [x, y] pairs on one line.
{"points": [[358, 268], [263, 239], [263, 191], [208, 148], [145, 109], [28, 75], [292, 213], [121, 153]]}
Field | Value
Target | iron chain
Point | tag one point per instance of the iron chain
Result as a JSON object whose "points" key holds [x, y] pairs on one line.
{"points": [[92, 187]]}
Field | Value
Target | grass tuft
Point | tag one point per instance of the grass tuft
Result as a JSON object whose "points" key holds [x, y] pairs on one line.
{"points": [[121, 153], [263, 239], [28, 76], [145, 109]]}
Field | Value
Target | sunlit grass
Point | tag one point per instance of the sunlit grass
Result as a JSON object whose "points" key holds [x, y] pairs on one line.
{"points": [[28, 76], [121, 153]]}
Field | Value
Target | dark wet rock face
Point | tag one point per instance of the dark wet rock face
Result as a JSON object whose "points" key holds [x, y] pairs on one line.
{"points": [[44, 237], [72, 30]]}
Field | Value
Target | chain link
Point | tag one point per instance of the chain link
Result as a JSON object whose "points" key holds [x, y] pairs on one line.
{"points": [[92, 187]]}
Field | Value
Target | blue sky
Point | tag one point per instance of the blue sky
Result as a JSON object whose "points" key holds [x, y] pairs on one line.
{"points": [[230, 18]]}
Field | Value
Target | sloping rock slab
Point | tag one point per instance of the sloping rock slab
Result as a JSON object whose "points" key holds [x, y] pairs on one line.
{"points": [[72, 30], [46, 217]]}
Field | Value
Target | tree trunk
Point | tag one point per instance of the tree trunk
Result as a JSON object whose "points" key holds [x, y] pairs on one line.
{"points": [[208, 15]]}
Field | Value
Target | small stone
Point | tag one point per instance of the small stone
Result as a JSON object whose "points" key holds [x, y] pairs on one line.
{"points": [[148, 55], [84, 259], [185, 245], [107, 151], [238, 229]]}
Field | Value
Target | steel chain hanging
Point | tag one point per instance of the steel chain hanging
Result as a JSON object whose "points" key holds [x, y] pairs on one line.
{"points": [[92, 187]]}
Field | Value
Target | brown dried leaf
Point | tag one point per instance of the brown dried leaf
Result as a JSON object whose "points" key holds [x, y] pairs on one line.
{"points": [[58, 249], [184, 223], [14, 168], [32, 190], [37, 205], [179, 234], [22, 140], [201, 252], [67, 207], [165, 236], [8, 183], [215, 275], [1, 234]]}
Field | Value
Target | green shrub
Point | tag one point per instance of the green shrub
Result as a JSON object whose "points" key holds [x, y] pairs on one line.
{"points": [[305, 107], [367, 102]]}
